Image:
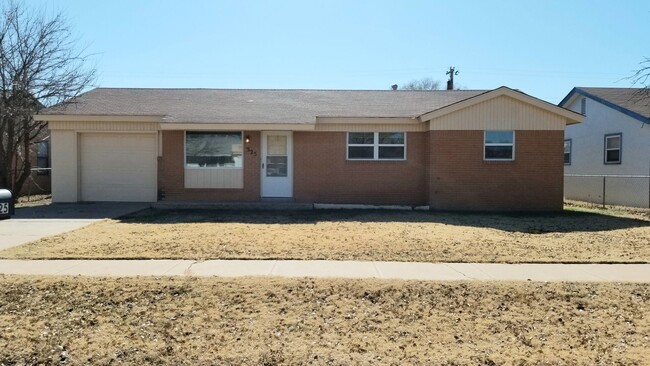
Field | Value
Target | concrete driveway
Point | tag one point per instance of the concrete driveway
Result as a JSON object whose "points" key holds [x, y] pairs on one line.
{"points": [[33, 223]]}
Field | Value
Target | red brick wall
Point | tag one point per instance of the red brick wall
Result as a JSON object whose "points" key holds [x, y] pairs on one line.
{"points": [[322, 174], [461, 180], [171, 172], [444, 169]]}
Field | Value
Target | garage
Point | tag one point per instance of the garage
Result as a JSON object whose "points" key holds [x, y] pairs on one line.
{"points": [[118, 167]]}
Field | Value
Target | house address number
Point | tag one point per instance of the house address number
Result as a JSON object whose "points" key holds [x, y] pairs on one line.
{"points": [[4, 208]]}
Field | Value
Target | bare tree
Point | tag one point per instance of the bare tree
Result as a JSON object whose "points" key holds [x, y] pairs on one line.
{"points": [[641, 77], [39, 66], [422, 84]]}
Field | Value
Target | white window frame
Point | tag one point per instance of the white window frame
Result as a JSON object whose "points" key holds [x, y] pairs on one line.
{"points": [[485, 144], [376, 145], [243, 162], [619, 148]]}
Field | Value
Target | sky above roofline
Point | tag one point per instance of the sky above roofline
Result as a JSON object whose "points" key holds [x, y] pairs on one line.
{"points": [[543, 48]]}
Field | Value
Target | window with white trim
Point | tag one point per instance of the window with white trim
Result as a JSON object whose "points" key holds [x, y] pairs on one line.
{"points": [[613, 148], [376, 146], [567, 151], [213, 149], [499, 145]]}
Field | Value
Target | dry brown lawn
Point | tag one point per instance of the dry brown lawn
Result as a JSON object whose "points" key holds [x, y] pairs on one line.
{"points": [[252, 321], [572, 236]]}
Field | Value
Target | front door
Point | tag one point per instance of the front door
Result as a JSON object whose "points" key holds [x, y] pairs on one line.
{"points": [[277, 161]]}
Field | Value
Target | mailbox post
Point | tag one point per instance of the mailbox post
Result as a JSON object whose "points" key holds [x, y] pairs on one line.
{"points": [[6, 203]]}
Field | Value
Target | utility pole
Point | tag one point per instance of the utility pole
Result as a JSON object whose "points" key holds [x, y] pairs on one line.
{"points": [[450, 83]]}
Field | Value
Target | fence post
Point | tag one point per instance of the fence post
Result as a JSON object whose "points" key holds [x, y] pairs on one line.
{"points": [[604, 185]]}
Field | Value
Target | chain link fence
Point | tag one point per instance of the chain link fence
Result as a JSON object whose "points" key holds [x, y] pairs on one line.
{"points": [[624, 190], [38, 183]]}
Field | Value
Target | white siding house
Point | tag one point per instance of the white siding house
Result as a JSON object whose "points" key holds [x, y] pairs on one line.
{"points": [[613, 141]]}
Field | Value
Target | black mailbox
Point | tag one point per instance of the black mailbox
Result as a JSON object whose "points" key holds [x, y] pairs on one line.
{"points": [[6, 203]]}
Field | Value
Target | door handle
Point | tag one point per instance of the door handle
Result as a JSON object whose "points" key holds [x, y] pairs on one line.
{"points": [[262, 165]]}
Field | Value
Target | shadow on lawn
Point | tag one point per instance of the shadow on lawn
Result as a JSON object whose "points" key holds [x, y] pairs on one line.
{"points": [[563, 222]]}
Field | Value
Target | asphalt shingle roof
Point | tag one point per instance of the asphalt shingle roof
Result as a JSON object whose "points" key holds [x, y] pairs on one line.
{"points": [[258, 105], [631, 99]]}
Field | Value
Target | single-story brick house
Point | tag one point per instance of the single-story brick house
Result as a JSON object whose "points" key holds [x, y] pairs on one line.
{"points": [[451, 150]]}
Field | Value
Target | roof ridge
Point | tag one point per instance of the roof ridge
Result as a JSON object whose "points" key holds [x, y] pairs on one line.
{"points": [[299, 89], [606, 87]]}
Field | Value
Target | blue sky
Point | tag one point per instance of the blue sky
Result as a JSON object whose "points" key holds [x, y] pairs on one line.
{"points": [[543, 48]]}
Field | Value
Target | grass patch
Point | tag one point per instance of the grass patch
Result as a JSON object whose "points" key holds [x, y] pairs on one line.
{"points": [[610, 210], [336, 322], [575, 236]]}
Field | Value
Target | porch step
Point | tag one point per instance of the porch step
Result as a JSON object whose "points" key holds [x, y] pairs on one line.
{"points": [[275, 205], [253, 206]]}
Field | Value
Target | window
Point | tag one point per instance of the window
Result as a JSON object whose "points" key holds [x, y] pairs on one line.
{"points": [[277, 156], [499, 145], [613, 148], [567, 152], [583, 105], [43, 157], [376, 146], [213, 150]]}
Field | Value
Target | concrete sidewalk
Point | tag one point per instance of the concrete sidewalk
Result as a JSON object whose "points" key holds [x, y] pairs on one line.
{"points": [[334, 269]]}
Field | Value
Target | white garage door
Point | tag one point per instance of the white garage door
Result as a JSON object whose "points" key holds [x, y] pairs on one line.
{"points": [[118, 167]]}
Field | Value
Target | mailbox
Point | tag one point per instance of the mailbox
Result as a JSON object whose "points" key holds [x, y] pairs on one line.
{"points": [[6, 203]]}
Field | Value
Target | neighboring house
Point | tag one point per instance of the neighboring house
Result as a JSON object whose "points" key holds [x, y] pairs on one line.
{"points": [[613, 140], [39, 182], [450, 150]]}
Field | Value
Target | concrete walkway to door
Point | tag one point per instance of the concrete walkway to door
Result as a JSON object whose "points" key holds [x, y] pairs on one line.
{"points": [[334, 269]]}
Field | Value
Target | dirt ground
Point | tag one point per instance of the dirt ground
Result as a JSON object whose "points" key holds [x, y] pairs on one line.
{"points": [[34, 200], [581, 234], [192, 321]]}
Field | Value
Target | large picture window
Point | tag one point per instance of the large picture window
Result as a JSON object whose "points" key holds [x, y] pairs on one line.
{"points": [[499, 145], [213, 150], [613, 148], [376, 146]]}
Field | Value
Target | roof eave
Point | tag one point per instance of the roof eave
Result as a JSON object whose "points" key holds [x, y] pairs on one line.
{"points": [[577, 91], [196, 126], [97, 118]]}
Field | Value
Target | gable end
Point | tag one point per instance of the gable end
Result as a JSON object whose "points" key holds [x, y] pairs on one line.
{"points": [[578, 91], [500, 113]]}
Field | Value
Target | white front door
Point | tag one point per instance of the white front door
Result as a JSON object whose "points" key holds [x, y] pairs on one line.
{"points": [[277, 164]]}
